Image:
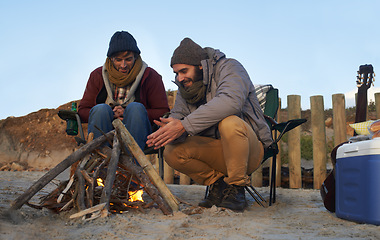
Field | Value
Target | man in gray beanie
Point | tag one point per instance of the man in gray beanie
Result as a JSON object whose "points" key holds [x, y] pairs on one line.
{"points": [[216, 133], [125, 88]]}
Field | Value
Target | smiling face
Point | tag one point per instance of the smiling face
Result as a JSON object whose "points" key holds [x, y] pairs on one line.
{"points": [[124, 61], [187, 74]]}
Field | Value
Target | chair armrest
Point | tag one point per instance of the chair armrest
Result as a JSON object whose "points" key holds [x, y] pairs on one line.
{"points": [[67, 115], [270, 120]]}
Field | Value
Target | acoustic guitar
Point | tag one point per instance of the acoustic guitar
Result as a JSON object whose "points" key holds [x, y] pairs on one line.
{"points": [[363, 82]]}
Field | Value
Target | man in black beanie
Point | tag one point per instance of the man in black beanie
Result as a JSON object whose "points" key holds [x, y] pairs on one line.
{"points": [[216, 132], [125, 88]]}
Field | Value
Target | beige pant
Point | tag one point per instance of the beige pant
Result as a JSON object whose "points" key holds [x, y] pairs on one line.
{"points": [[235, 155]]}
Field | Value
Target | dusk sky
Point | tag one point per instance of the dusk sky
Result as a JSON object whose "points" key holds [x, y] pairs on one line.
{"points": [[307, 48]]}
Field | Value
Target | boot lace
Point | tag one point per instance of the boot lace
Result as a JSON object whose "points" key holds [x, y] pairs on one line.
{"points": [[230, 192]]}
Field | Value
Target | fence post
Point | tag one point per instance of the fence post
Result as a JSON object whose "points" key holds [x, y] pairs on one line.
{"points": [[169, 171], [153, 158], [184, 179], [294, 143], [319, 140], [168, 174], [339, 118], [377, 104]]}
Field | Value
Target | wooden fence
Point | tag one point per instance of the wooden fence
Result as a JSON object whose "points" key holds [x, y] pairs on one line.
{"points": [[319, 142]]}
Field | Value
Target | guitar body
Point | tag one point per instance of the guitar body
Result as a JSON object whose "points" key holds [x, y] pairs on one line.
{"points": [[327, 189], [328, 192]]}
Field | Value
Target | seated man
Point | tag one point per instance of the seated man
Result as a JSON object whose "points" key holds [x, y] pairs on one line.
{"points": [[125, 88], [216, 132]]}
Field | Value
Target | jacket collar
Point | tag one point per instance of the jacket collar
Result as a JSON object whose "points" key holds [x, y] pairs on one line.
{"points": [[215, 55]]}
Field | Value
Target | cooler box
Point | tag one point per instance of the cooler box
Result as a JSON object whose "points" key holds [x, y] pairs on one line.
{"points": [[357, 181]]}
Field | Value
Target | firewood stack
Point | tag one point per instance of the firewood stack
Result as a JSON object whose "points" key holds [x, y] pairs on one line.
{"points": [[104, 180], [84, 189]]}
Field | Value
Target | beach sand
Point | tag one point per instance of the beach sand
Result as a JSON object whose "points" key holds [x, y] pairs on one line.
{"points": [[297, 214]]}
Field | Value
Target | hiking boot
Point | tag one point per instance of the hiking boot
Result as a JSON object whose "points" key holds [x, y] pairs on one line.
{"points": [[215, 194], [234, 198]]}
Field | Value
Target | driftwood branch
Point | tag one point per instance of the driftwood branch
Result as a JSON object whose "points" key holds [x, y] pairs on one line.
{"points": [[67, 162], [127, 140], [90, 189], [111, 173], [80, 188], [96, 208]]}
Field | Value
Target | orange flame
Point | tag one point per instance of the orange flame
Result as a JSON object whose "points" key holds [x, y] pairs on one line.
{"points": [[136, 196], [100, 182]]}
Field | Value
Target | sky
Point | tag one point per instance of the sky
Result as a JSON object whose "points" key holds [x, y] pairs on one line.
{"points": [[308, 48]]}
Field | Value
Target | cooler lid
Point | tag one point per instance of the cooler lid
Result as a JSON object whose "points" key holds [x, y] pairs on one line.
{"points": [[367, 147]]}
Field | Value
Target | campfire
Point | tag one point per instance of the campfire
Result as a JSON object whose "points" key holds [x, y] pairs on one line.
{"points": [[104, 180], [127, 191]]}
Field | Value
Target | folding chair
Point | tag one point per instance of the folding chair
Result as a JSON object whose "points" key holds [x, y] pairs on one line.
{"points": [[269, 102], [69, 115]]}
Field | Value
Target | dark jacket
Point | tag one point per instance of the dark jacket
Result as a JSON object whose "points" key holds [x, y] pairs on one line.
{"points": [[151, 93], [229, 92]]}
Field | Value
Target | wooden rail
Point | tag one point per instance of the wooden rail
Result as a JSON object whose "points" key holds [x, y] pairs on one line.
{"points": [[296, 178]]}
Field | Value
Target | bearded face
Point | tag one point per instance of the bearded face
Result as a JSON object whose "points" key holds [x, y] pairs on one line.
{"points": [[187, 74]]}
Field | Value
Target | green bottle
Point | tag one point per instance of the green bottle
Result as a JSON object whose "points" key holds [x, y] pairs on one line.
{"points": [[72, 124]]}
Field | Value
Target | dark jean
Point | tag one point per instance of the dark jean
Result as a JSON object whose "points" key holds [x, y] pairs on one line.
{"points": [[135, 120]]}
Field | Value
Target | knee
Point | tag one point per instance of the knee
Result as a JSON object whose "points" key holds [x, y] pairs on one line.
{"points": [[169, 154], [135, 107], [101, 109], [231, 124], [172, 155]]}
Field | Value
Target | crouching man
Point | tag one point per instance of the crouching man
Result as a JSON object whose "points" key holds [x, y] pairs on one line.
{"points": [[216, 133]]}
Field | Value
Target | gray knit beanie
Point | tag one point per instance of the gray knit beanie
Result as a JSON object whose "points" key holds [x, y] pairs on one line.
{"points": [[188, 52], [122, 41]]}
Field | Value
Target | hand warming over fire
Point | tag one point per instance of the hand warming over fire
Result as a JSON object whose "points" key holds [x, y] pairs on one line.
{"points": [[170, 129]]}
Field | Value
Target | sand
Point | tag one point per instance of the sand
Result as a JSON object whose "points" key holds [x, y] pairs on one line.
{"points": [[297, 214]]}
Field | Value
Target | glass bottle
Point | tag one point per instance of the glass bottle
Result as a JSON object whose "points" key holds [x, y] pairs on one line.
{"points": [[72, 124]]}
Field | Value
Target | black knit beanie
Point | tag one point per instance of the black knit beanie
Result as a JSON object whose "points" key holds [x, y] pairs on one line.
{"points": [[121, 42], [188, 52]]}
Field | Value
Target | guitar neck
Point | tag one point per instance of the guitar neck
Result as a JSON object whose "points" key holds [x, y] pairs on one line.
{"points": [[361, 104], [364, 81]]}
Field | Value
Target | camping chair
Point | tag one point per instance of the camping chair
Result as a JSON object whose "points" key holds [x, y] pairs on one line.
{"points": [[69, 115], [269, 102]]}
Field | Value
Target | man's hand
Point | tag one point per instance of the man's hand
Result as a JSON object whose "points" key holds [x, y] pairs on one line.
{"points": [[170, 129], [118, 112]]}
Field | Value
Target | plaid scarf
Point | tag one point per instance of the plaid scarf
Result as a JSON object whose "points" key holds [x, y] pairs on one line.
{"points": [[120, 93]]}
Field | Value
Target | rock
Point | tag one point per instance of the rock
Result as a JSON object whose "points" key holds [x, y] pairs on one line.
{"points": [[329, 122], [17, 167]]}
